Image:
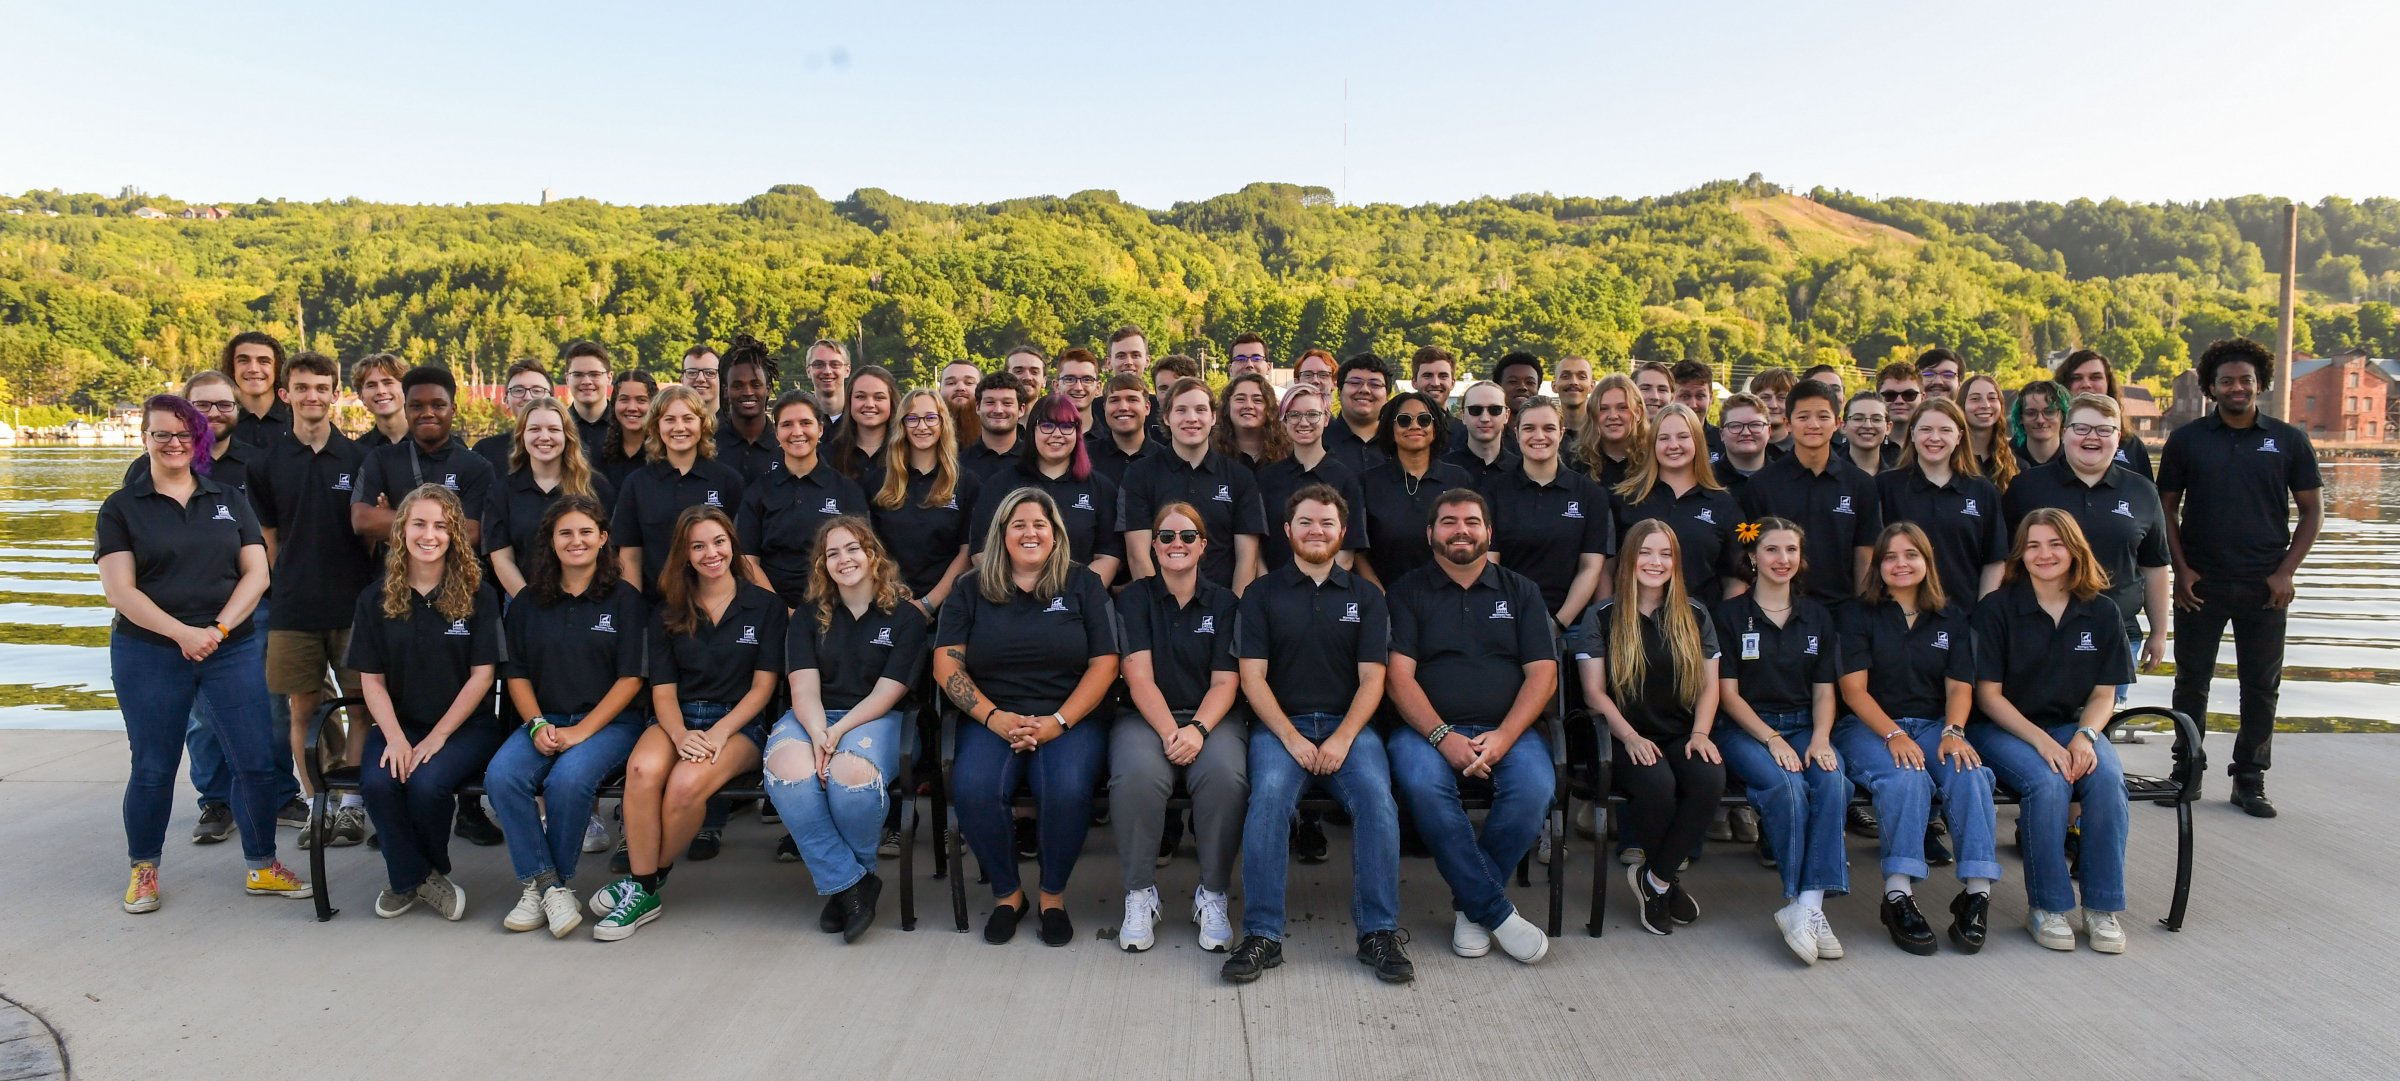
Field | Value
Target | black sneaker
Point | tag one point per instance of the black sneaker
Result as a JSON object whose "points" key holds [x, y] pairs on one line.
{"points": [[1029, 839], [620, 861], [2250, 794], [1308, 841], [706, 845], [787, 850], [768, 815], [1680, 906], [1656, 919], [1170, 838], [1057, 929], [830, 920], [1862, 822], [858, 907], [216, 824], [1909, 929], [1967, 918], [1380, 950], [292, 815], [1003, 924], [1255, 954], [1937, 852], [473, 826]]}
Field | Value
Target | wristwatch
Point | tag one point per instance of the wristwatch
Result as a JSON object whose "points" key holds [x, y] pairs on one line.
{"points": [[1949, 730], [2089, 733]]}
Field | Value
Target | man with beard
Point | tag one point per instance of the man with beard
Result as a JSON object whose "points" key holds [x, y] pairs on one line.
{"points": [[1031, 367], [1079, 379], [253, 360], [958, 394], [745, 440], [1572, 385], [587, 375], [2228, 482], [999, 410], [828, 376], [1124, 437], [1473, 669], [1484, 452]]}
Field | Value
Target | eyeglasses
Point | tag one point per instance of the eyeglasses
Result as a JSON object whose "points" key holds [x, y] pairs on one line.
{"points": [[1305, 416], [1178, 536], [1078, 380], [825, 364], [171, 437], [1900, 395], [921, 420], [2042, 411], [696, 373], [1487, 410], [2102, 430], [1314, 376], [528, 393], [1052, 427], [1746, 427], [214, 407], [587, 375], [1412, 420], [1360, 386], [1250, 357], [1860, 418]]}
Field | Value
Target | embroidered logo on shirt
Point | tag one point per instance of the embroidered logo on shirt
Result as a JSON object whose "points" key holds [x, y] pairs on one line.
{"points": [[222, 515], [1224, 494], [1969, 510], [607, 624], [1811, 651], [830, 507], [1574, 509], [1057, 604], [1208, 625], [1500, 610], [1941, 640], [749, 636], [883, 637], [2085, 644], [450, 481], [2124, 457], [1082, 502], [2123, 508], [1843, 507], [341, 482], [952, 504], [1707, 514], [458, 627], [2268, 446], [712, 499], [1350, 612]]}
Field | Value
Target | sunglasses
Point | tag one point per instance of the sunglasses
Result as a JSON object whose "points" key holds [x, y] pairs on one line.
{"points": [[1413, 420], [1487, 410], [1900, 395], [1178, 536]]}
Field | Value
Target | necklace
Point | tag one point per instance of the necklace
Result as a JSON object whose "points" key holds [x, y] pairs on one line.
{"points": [[1409, 483], [1778, 611]]}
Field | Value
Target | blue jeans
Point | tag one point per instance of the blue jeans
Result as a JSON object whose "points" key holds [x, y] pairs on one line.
{"points": [[1364, 786], [2133, 649], [207, 756], [1904, 798], [156, 688], [413, 816], [1064, 774], [2043, 797], [1801, 813], [565, 782], [1477, 868], [836, 826]]}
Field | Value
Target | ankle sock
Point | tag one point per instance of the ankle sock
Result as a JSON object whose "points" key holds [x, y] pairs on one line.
{"points": [[648, 882], [1979, 885], [353, 799], [1656, 883], [1900, 884], [542, 881], [1813, 900]]}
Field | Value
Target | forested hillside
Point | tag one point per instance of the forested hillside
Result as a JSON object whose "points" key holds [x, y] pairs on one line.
{"points": [[98, 305]]}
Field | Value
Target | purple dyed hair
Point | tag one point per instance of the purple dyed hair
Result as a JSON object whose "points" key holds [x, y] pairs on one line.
{"points": [[1060, 409], [183, 410]]}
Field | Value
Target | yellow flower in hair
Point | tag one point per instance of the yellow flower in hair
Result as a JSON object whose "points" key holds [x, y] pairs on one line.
{"points": [[1747, 532]]}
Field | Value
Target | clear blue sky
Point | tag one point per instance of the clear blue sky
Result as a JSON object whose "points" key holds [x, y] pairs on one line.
{"points": [[972, 102]]}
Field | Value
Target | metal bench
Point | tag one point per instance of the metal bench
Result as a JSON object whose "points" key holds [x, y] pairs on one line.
{"points": [[2138, 789], [324, 782]]}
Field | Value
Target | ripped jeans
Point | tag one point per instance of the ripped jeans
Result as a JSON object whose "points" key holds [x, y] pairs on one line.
{"points": [[836, 820]]}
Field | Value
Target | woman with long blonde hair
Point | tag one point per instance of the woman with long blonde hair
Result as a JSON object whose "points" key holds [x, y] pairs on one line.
{"points": [[1648, 658], [1615, 432], [546, 459], [924, 503], [1937, 487], [426, 642], [1675, 484]]}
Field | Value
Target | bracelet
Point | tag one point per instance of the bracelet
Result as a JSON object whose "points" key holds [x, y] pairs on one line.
{"points": [[1894, 734], [536, 725], [222, 633], [2090, 733], [1061, 718], [1950, 730], [1440, 732]]}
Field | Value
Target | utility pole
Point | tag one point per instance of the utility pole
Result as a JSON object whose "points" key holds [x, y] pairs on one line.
{"points": [[2279, 400]]}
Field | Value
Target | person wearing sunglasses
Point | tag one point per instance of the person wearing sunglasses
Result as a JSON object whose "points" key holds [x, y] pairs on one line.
{"points": [[1398, 494], [1223, 490], [1901, 388], [1484, 450], [1058, 463], [1305, 413]]}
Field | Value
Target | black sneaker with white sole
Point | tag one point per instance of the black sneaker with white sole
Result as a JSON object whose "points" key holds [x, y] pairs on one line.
{"points": [[1255, 954], [216, 824], [292, 815], [1380, 950], [1656, 918]]}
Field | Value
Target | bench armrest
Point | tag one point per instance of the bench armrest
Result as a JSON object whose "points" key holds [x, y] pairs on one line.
{"points": [[2188, 748], [316, 733]]}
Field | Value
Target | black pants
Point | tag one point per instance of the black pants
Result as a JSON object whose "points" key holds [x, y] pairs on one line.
{"points": [[2257, 658], [1669, 803], [413, 816]]}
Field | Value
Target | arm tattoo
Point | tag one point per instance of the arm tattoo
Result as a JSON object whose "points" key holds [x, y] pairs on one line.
{"points": [[961, 689]]}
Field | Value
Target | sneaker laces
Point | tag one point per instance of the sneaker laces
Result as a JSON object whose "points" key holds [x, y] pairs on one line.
{"points": [[145, 878], [1212, 913], [2101, 923], [1817, 924]]}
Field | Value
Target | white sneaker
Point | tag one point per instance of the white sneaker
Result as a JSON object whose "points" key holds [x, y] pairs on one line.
{"points": [[1468, 938], [1216, 928], [2107, 935], [528, 913], [1586, 823], [1519, 938], [1829, 948], [443, 896], [389, 905], [1632, 857], [2051, 929], [595, 837], [1541, 848], [1141, 912], [1799, 931], [561, 910]]}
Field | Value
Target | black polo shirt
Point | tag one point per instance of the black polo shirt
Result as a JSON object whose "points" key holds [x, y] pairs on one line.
{"points": [[230, 470], [593, 434], [921, 539], [373, 439], [1480, 472], [425, 657], [983, 461], [512, 519], [391, 472], [750, 458], [2237, 486], [2025, 456], [1188, 643], [779, 518], [1395, 517], [1346, 447], [717, 661], [1471, 643], [653, 496], [1277, 480], [1313, 636], [2048, 669], [2134, 454], [1890, 458], [261, 430], [862, 466], [304, 496], [2121, 519], [1838, 511], [1906, 666], [1112, 463], [618, 467], [1088, 508], [187, 557], [1543, 530], [575, 649], [1704, 520], [1660, 713], [853, 653], [1027, 653], [1778, 670], [1224, 490], [1963, 519], [493, 449], [1612, 471]]}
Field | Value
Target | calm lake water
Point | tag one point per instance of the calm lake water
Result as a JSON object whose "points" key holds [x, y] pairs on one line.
{"points": [[2344, 656]]}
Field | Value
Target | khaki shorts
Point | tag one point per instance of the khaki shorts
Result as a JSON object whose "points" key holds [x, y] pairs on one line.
{"points": [[297, 660]]}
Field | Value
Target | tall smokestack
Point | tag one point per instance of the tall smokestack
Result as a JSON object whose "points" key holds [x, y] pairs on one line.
{"points": [[2279, 401]]}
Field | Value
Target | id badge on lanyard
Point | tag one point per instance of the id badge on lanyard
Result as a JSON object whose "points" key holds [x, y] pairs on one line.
{"points": [[1750, 646]]}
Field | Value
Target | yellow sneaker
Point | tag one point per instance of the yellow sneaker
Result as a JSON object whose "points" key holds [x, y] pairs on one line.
{"points": [[277, 880], [141, 894]]}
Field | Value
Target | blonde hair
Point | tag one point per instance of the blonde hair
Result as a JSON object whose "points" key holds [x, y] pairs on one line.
{"points": [[882, 572], [1637, 441], [2086, 580], [462, 573], [2004, 457], [894, 491], [1962, 456], [1642, 476], [1628, 664], [991, 565], [574, 470], [654, 448]]}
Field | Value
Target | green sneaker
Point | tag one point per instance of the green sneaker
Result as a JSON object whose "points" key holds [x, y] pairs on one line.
{"points": [[639, 907], [606, 899]]}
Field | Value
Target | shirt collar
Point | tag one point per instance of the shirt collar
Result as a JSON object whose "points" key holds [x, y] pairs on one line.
{"points": [[1336, 578]]}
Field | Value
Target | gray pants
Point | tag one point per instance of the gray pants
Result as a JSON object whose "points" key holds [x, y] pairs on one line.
{"points": [[1140, 780]]}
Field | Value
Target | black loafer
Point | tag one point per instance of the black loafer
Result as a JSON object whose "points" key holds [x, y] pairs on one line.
{"points": [[858, 907], [475, 827], [1002, 926], [1937, 852], [1908, 927], [1968, 915], [1057, 929]]}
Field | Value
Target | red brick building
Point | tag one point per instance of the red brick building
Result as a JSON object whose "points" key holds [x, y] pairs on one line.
{"points": [[2341, 399]]}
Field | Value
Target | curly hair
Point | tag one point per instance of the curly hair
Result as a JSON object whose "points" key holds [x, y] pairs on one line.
{"points": [[545, 578], [1275, 443], [1385, 429], [654, 447], [462, 573], [679, 580], [613, 447], [882, 571]]}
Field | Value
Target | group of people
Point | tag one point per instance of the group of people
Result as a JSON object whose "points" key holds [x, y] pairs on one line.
{"points": [[1113, 577]]}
